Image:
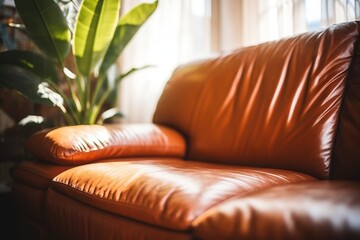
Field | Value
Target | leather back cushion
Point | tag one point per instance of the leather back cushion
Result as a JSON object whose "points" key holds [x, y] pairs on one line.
{"points": [[275, 105]]}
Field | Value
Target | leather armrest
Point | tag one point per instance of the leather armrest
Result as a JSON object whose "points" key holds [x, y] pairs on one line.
{"points": [[74, 145], [311, 210]]}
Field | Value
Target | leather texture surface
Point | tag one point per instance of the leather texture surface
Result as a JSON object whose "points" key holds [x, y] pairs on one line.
{"points": [[346, 162], [272, 105], [37, 174], [31, 181], [168, 193], [74, 145], [316, 210], [69, 219]]}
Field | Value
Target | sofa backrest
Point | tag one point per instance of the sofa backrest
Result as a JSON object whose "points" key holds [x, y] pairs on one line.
{"points": [[277, 104]]}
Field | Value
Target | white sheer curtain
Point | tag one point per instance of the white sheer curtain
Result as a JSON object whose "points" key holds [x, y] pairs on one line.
{"points": [[184, 30], [339, 11], [178, 32], [266, 20], [248, 22]]}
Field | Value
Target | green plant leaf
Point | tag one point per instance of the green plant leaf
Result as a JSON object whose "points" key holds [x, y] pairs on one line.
{"points": [[28, 84], [128, 25], [36, 63], [109, 115], [94, 30], [46, 25], [131, 71]]}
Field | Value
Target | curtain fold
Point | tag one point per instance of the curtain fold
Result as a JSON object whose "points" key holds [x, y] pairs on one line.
{"points": [[177, 32]]}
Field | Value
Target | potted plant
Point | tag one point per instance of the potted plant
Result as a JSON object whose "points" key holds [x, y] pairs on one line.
{"points": [[98, 39]]}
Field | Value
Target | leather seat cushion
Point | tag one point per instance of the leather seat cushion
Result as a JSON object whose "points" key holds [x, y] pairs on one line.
{"points": [[166, 192], [315, 210]]}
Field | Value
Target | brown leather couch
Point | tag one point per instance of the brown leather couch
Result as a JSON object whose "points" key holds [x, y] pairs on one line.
{"points": [[260, 143]]}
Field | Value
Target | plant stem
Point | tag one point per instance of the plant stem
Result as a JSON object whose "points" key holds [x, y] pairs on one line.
{"points": [[99, 83], [96, 109], [73, 112], [73, 95], [72, 92], [81, 92], [86, 100], [68, 119], [95, 97]]}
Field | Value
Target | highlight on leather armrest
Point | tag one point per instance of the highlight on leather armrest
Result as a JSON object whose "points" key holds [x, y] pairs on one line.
{"points": [[74, 145]]}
